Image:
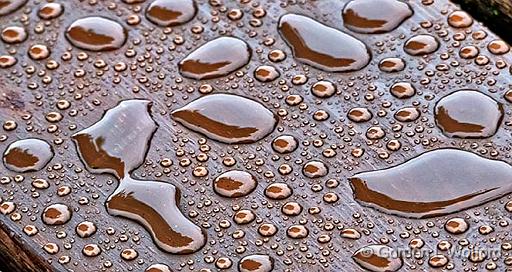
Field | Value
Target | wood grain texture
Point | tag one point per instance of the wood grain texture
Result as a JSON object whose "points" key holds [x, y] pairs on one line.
{"points": [[151, 55]]}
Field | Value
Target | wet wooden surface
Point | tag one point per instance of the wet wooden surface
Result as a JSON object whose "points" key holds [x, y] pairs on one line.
{"points": [[30, 90]]}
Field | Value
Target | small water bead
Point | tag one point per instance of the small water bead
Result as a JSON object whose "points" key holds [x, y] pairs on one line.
{"points": [[7, 207], [317, 45], [468, 114], [359, 115], [14, 34], [244, 217], [267, 229], [227, 118], [402, 90], [9, 6], [299, 79], [27, 155], [498, 47], [91, 250], [456, 225], [40, 184], [234, 183], [96, 34], [51, 248], [321, 115], [437, 261], [315, 169], [171, 12], [50, 11], [421, 44], [56, 214], [285, 144], [391, 65], [7, 61], [435, 183], [469, 52], [129, 254], [291, 208], [375, 133], [323, 89], [375, 16], [276, 55], [278, 191], [39, 52], [9, 125], [350, 233], [215, 58], [30, 230], [256, 263], [459, 19], [377, 258], [266, 73], [407, 114], [416, 243], [85, 229], [297, 232], [158, 268], [223, 263]]}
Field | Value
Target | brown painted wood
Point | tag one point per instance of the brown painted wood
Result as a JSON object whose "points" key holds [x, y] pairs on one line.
{"points": [[151, 55]]}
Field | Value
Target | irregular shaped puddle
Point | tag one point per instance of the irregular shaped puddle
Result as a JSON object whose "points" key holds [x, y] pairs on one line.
{"points": [[435, 183], [117, 144]]}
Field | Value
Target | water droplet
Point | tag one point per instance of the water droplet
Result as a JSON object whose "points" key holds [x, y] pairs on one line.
{"points": [[266, 73], [321, 46], [155, 205], [171, 12], [459, 19], [391, 65], [14, 34], [407, 114], [50, 11], [216, 58], [234, 183], [421, 45], [285, 144], [297, 232], [468, 114], [323, 89], [56, 214], [256, 263], [278, 191], [375, 16], [158, 268], [27, 155], [118, 142], [315, 169], [498, 47], [9, 6], [96, 34], [359, 115], [227, 118], [435, 183], [403, 90], [456, 225], [377, 258]]}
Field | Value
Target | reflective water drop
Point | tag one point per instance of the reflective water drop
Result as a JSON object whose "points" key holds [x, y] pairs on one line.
{"points": [[118, 142], [171, 12], [403, 90], [215, 58], [285, 144], [468, 114], [96, 34], [459, 19], [50, 11], [407, 114], [315, 169], [234, 183], [456, 225], [14, 34], [7, 61], [27, 155], [391, 65], [321, 46], [56, 214], [266, 73], [227, 118], [256, 263], [9, 6], [435, 183], [378, 258], [359, 115], [155, 205], [498, 47], [323, 89], [158, 268], [421, 44], [375, 16], [278, 191]]}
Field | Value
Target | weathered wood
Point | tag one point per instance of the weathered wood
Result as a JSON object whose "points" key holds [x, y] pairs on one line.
{"points": [[151, 56]]}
